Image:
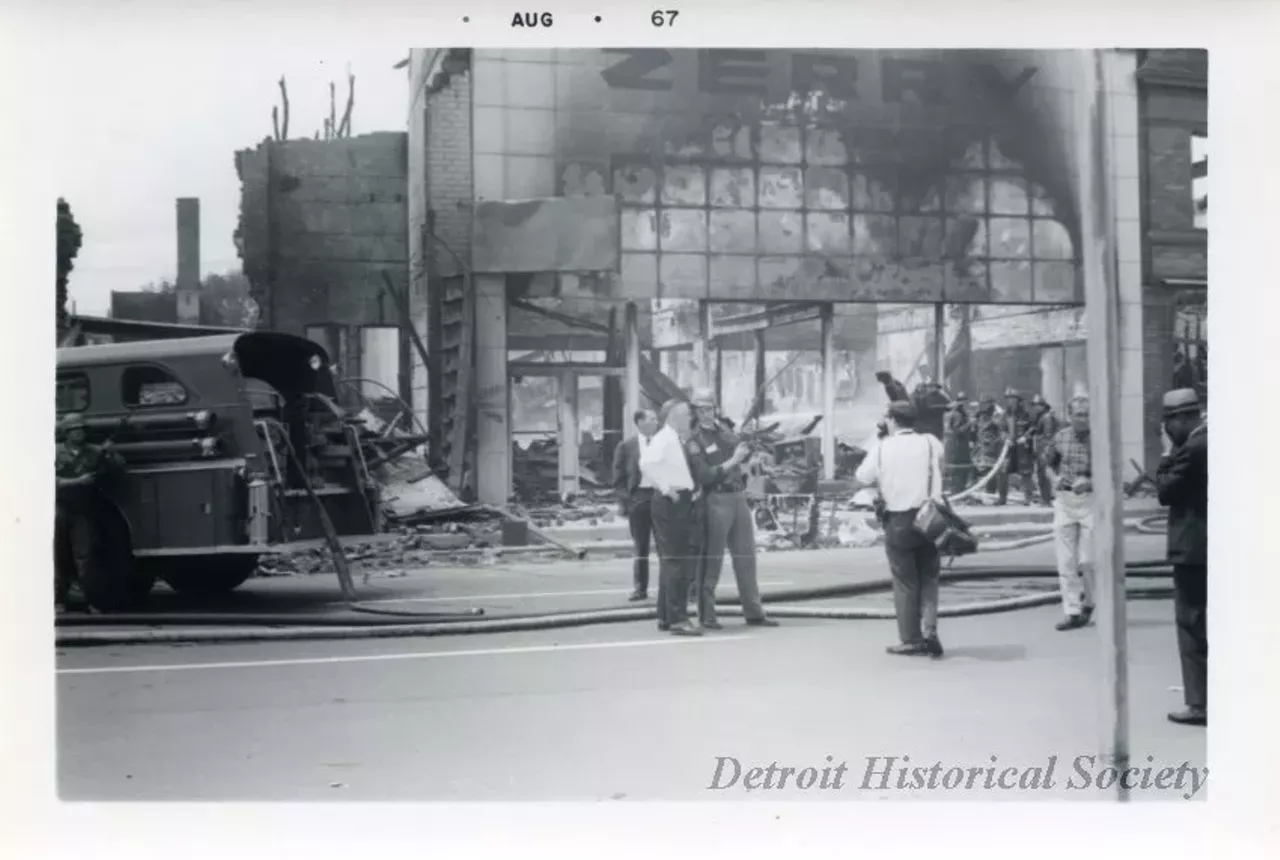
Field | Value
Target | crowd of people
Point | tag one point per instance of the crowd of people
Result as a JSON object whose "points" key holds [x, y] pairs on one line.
{"points": [[681, 479]]}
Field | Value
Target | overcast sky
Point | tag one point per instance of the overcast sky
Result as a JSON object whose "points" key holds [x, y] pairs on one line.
{"points": [[171, 129]]}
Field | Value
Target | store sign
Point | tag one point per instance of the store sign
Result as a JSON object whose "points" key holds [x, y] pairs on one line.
{"points": [[924, 80]]}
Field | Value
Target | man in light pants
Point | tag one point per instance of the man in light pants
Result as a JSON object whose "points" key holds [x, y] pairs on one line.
{"points": [[1069, 465]]}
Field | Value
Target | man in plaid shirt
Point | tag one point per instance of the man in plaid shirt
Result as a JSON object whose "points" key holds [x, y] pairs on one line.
{"points": [[1069, 464]]}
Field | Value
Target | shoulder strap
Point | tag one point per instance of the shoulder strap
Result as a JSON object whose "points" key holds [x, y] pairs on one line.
{"points": [[928, 447]]}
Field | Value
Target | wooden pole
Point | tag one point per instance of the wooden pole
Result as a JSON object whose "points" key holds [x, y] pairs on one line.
{"points": [[828, 426], [1097, 222], [568, 434], [938, 360], [760, 374]]}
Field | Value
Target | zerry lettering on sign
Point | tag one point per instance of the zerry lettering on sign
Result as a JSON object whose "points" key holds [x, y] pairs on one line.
{"points": [[748, 72]]}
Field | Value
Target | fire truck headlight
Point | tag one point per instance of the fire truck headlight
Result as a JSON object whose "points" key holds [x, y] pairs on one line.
{"points": [[209, 447]]}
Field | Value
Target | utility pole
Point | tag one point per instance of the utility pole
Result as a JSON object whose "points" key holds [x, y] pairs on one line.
{"points": [[1097, 232]]}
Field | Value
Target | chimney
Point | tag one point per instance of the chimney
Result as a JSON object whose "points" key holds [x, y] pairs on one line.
{"points": [[188, 286]]}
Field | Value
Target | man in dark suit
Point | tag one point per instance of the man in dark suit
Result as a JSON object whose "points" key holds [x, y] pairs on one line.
{"points": [[635, 496], [1183, 484]]}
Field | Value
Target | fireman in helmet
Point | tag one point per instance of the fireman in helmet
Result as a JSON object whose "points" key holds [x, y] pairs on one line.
{"points": [[78, 466]]}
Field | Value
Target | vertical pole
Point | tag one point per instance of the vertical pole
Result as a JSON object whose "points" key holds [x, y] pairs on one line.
{"points": [[491, 383], [828, 425], [702, 347], [938, 361], [1102, 301], [719, 383], [631, 341], [760, 379], [568, 434]]}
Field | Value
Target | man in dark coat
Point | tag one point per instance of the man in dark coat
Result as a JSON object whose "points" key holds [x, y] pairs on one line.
{"points": [[1022, 450], [78, 466], [1046, 427], [635, 496], [1183, 485], [991, 433], [960, 436]]}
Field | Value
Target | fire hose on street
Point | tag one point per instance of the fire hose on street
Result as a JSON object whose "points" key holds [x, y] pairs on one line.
{"points": [[387, 623]]}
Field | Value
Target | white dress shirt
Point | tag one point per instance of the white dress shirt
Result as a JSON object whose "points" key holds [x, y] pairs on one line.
{"points": [[901, 465], [663, 462], [644, 442]]}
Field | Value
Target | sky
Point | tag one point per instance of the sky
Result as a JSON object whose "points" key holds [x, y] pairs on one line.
{"points": [[170, 129]]}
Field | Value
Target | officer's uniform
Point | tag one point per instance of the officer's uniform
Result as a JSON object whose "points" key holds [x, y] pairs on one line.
{"points": [[728, 523]]}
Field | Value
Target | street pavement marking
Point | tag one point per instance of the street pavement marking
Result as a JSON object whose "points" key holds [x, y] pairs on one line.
{"points": [[423, 655], [476, 597]]}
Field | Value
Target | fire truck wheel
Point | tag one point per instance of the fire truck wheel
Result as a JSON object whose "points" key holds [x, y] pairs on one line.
{"points": [[210, 576], [109, 579]]}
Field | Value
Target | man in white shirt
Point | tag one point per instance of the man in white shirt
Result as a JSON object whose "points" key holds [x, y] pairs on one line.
{"points": [[676, 520], [907, 467], [635, 496]]}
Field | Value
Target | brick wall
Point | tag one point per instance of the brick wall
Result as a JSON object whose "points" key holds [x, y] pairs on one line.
{"points": [[315, 246], [449, 189]]}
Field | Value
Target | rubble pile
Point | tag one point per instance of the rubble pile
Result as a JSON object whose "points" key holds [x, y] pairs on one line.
{"points": [[535, 471]]}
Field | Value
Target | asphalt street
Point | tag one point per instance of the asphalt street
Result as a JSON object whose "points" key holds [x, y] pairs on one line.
{"points": [[619, 711]]}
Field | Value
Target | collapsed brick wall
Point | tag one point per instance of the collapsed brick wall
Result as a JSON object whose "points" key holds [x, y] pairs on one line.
{"points": [[442, 232], [320, 223]]}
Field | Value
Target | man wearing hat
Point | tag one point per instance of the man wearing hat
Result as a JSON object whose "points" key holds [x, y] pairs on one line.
{"points": [[77, 465], [1022, 451], [1068, 461], [931, 403], [907, 468], [959, 445], [893, 389], [1046, 427], [716, 457], [1182, 481], [991, 432]]}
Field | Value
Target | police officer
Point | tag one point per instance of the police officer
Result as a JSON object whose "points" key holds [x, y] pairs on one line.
{"points": [[716, 457]]}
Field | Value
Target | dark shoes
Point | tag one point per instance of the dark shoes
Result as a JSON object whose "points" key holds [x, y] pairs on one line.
{"points": [[637, 596], [1190, 717], [762, 622], [1072, 622], [930, 647]]}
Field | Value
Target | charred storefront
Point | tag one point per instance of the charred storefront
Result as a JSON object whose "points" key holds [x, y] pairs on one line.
{"points": [[589, 228]]}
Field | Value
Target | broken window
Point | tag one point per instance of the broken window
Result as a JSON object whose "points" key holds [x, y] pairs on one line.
{"points": [[873, 191], [636, 183], [781, 188], [1010, 237], [148, 385], [780, 144], [733, 187], [1008, 196], [639, 229], [781, 232], [827, 188], [828, 233], [684, 230], [733, 231], [684, 185]]}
